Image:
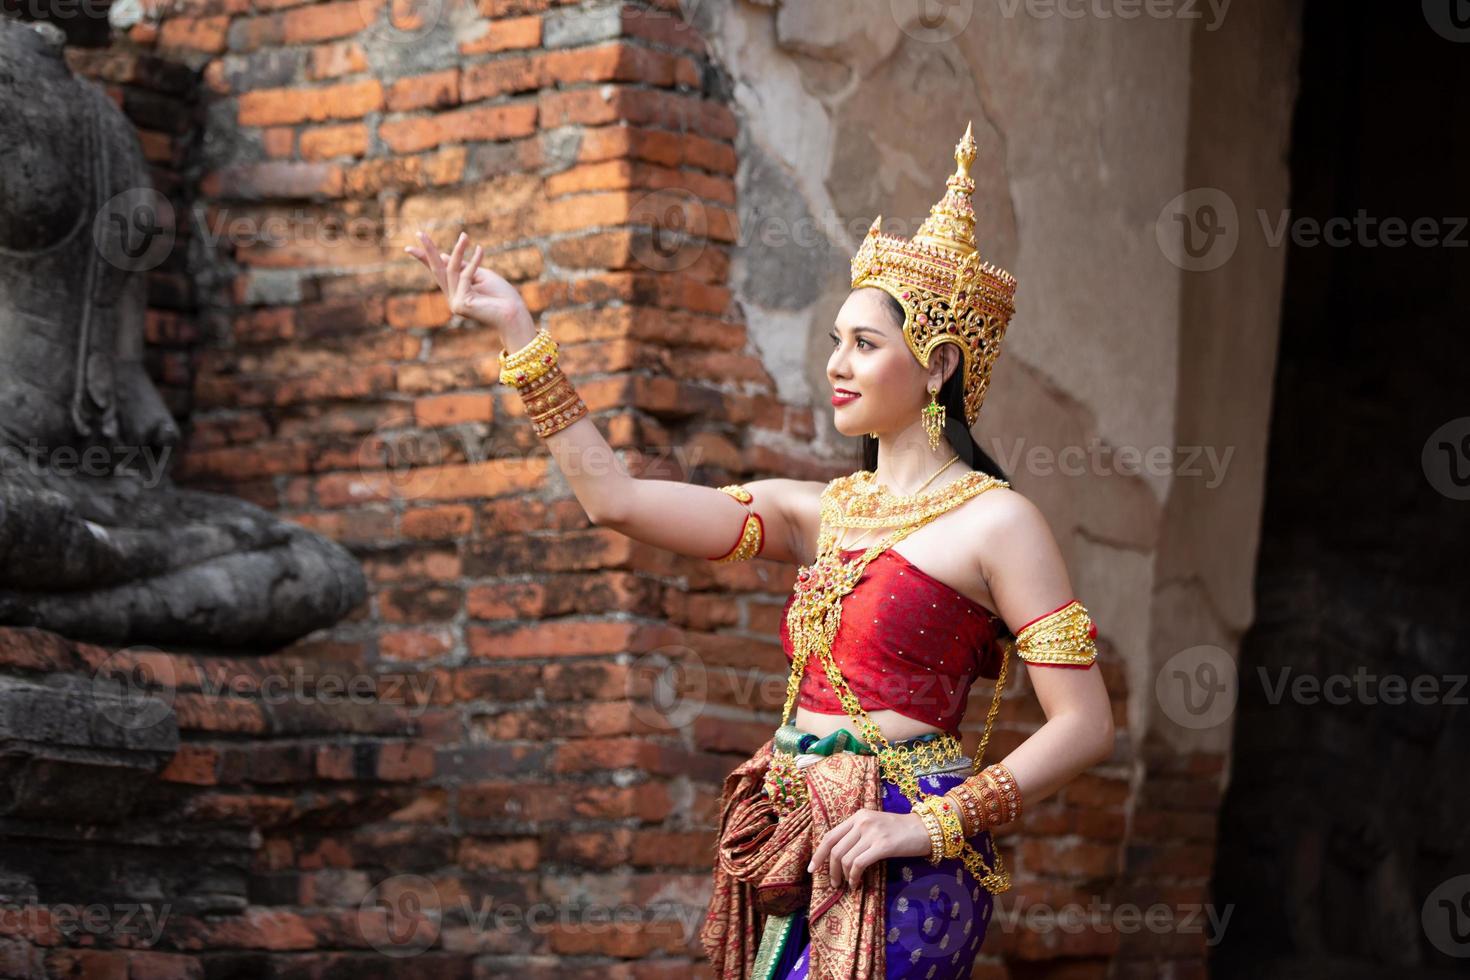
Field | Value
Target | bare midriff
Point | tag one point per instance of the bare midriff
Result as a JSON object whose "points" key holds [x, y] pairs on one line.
{"points": [[895, 726]]}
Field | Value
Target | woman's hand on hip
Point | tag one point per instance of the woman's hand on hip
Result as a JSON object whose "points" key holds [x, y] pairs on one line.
{"points": [[474, 293], [866, 837]]}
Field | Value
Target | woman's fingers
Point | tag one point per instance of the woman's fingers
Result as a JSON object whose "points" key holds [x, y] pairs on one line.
{"points": [[824, 846], [859, 859], [839, 851], [432, 258], [466, 281], [456, 262]]}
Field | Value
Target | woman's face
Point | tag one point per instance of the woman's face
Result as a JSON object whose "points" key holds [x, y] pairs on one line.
{"points": [[870, 358]]}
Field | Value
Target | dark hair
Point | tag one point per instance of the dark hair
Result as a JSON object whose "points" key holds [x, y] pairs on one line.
{"points": [[952, 397]]}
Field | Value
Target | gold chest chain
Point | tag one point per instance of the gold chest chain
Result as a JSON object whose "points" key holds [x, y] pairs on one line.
{"points": [[814, 616]]}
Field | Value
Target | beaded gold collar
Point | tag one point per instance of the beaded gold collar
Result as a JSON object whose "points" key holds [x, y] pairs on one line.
{"points": [[859, 500]]}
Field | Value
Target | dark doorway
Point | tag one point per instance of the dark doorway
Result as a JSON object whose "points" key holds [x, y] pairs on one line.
{"points": [[1347, 822]]}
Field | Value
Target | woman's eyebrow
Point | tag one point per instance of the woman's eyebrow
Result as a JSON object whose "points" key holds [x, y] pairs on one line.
{"points": [[868, 330]]}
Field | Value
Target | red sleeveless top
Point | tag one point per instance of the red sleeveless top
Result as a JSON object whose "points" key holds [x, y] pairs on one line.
{"points": [[907, 642]]}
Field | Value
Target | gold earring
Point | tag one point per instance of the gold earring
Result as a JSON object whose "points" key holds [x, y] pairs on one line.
{"points": [[934, 418], [873, 434]]}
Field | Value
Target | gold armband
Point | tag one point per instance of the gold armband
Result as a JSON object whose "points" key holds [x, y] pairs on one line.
{"points": [[752, 532], [1063, 637]]}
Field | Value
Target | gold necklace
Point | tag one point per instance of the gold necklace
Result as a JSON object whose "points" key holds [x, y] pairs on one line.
{"points": [[860, 506], [918, 491]]}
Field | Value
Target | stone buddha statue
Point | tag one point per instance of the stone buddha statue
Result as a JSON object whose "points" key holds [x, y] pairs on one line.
{"points": [[95, 541]]}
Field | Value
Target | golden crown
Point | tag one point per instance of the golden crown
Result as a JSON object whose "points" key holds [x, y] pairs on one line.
{"points": [[948, 294]]}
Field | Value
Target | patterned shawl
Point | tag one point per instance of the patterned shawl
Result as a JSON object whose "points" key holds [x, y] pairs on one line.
{"points": [[760, 870]]}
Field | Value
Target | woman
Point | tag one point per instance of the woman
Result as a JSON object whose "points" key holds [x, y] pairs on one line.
{"points": [[865, 854]]}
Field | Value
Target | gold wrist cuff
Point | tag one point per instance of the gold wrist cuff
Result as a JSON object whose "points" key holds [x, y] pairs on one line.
{"points": [[552, 403], [530, 362]]}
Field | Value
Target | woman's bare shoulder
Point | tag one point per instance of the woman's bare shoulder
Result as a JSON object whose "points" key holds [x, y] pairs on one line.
{"points": [[1002, 525]]}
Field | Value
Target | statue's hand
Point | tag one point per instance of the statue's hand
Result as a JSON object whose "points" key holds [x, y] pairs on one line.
{"points": [[474, 293]]}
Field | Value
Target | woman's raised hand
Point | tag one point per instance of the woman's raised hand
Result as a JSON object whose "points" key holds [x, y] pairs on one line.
{"points": [[475, 293]]}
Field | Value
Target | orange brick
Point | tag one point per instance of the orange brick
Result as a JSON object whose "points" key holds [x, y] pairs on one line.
{"points": [[436, 89], [453, 409], [556, 639], [414, 644], [280, 142], [501, 77], [193, 764], [470, 481], [328, 21], [399, 762], [195, 33], [508, 34], [436, 523], [420, 310], [613, 62], [336, 60], [495, 122], [284, 106], [326, 142]]}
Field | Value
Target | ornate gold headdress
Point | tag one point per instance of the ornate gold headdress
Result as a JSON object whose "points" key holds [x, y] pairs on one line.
{"points": [[947, 293]]}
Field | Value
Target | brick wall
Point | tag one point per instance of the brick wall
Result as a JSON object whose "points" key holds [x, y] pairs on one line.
{"points": [[568, 700]]}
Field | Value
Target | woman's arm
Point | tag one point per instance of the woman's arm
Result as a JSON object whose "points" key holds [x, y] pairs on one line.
{"points": [[1027, 579], [689, 519]]}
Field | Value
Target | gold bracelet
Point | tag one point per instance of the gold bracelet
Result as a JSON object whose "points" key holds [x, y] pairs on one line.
{"points": [[950, 824], [552, 403], [988, 799], [970, 809], [1005, 784], [936, 835], [529, 363], [752, 532], [1064, 636]]}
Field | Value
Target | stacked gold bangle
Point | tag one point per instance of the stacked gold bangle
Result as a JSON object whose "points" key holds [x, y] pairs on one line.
{"points": [[551, 402], [940, 814], [988, 800], [931, 824]]}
